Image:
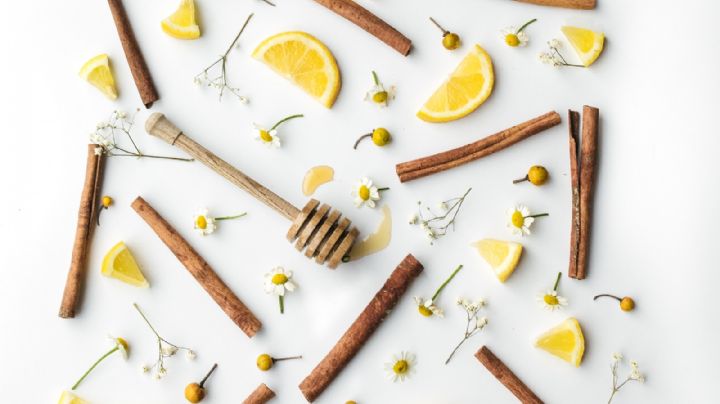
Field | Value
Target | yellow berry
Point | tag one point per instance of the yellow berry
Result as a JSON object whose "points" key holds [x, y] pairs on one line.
{"points": [[381, 136], [380, 97], [537, 175], [512, 40], [451, 41], [194, 393], [627, 304], [106, 201], [425, 311], [264, 362], [350, 402]]}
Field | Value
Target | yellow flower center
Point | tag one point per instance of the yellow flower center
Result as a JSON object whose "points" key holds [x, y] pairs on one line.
{"points": [[551, 300], [380, 97], [517, 219], [425, 311], [512, 40], [364, 192], [201, 222], [123, 343], [265, 136], [279, 279], [401, 367], [264, 362]]}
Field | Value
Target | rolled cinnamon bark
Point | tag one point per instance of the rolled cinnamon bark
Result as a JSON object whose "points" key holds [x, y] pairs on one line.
{"points": [[361, 330], [446, 160], [371, 23], [138, 67], [576, 4], [83, 232], [261, 395], [199, 269], [574, 137], [506, 376], [588, 157]]}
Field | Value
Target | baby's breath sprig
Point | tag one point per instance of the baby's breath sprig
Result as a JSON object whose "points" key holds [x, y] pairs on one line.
{"points": [[474, 324], [220, 82], [553, 56], [166, 349], [120, 124], [634, 375], [437, 224]]}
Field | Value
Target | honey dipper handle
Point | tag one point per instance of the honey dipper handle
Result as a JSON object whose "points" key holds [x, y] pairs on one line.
{"points": [[159, 126]]}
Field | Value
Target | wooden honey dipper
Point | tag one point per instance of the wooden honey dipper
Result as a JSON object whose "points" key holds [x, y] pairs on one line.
{"points": [[319, 229]]}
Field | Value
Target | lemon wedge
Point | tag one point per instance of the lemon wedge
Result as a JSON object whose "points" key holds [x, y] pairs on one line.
{"points": [[305, 61], [96, 71], [70, 398], [181, 24], [464, 91], [503, 256], [587, 44], [566, 341], [120, 264]]}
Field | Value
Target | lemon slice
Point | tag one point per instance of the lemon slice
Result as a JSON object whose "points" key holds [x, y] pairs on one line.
{"points": [[305, 61], [97, 72], [503, 256], [70, 398], [566, 341], [466, 89], [587, 44], [120, 264], [181, 24]]}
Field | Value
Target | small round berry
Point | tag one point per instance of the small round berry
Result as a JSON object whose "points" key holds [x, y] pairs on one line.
{"points": [[194, 393], [627, 304], [537, 175], [106, 201], [264, 362], [451, 41], [381, 136]]}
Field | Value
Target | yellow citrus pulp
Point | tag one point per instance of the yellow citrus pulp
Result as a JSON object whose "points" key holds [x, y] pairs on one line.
{"points": [[96, 71], [181, 24], [566, 341], [587, 44], [305, 61], [120, 264], [464, 91], [70, 398], [503, 256]]}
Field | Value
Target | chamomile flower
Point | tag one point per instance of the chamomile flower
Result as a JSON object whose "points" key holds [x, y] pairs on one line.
{"points": [[278, 282], [267, 137], [378, 94], [520, 219], [119, 345], [427, 307], [401, 366], [206, 224], [551, 300], [514, 36], [366, 193]]}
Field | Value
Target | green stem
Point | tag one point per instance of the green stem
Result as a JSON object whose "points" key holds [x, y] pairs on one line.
{"points": [[146, 320], [238, 35], [281, 299], [360, 139], [607, 295], [383, 189], [519, 180], [280, 122], [444, 31], [97, 362], [230, 217], [375, 78], [202, 382], [286, 358], [539, 215], [437, 292], [557, 281], [525, 26]]}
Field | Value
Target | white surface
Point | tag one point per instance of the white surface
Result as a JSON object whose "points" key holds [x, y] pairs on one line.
{"points": [[656, 204]]}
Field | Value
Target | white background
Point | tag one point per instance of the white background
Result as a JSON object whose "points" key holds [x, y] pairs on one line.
{"points": [[654, 226]]}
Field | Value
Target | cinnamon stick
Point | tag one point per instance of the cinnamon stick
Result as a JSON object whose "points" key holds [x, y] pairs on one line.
{"points": [[371, 23], [199, 269], [506, 376], [361, 329], [574, 137], [83, 232], [446, 160], [576, 4], [261, 395], [588, 156], [135, 59]]}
